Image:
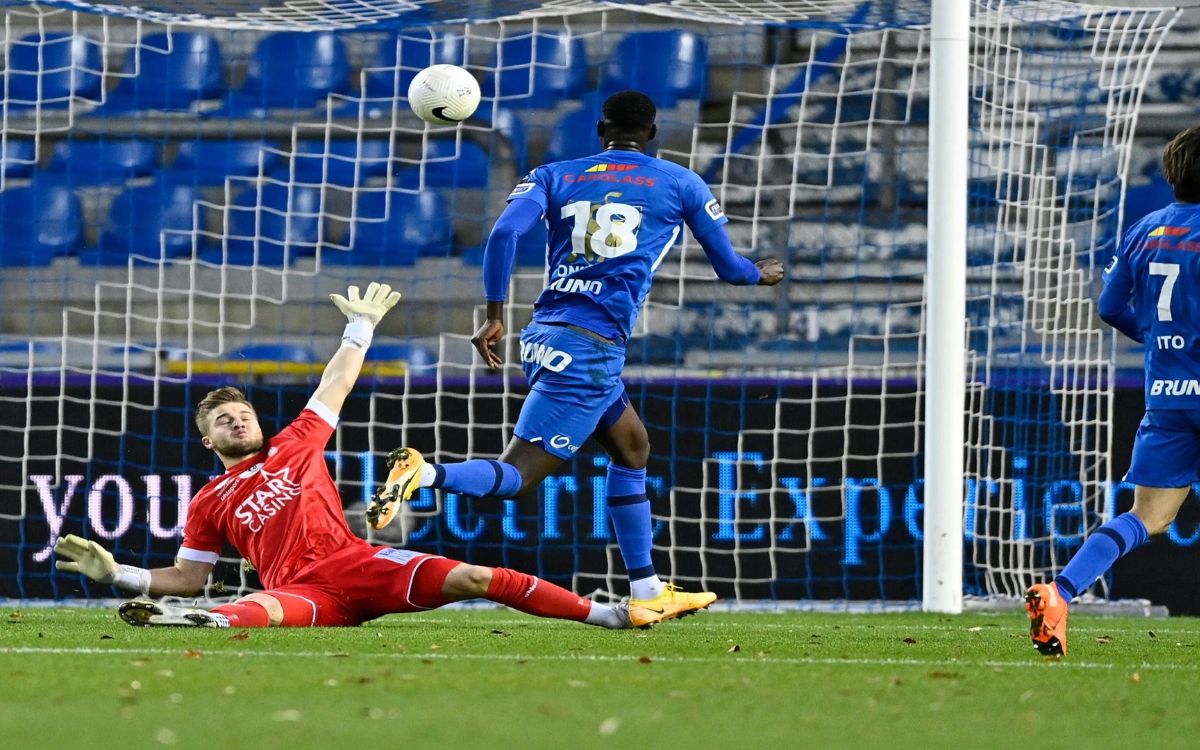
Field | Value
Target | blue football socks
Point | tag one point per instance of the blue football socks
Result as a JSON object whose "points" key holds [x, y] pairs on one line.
{"points": [[1103, 547], [629, 509], [478, 477]]}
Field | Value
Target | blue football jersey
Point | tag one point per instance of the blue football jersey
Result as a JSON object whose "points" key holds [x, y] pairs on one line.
{"points": [[1158, 270], [612, 218]]}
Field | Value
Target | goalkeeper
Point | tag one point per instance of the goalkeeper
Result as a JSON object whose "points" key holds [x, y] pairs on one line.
{"points": [[278, 506]]}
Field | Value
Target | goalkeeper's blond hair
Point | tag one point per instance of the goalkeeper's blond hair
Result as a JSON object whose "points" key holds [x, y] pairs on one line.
{"points": [[213, 399]]}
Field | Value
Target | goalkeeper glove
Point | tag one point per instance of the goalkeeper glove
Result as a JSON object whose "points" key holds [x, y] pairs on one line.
{"points": [[97, 563], [364, 312]]}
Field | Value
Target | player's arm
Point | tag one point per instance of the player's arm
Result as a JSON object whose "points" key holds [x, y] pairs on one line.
{"points": [[364, 313], [731, 266], [1115, 306], [184, 578], [518, 217]]}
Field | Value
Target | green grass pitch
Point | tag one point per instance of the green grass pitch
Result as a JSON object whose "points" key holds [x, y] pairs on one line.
{"points": [[497, 679]]}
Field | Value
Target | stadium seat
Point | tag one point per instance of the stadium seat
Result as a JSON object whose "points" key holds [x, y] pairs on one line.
{"points": [[559, 73], [341, 162], [506, 123], [396, 359], [396, 234], [175, 71], [290, 70], [209, 163], [531, 249], [573, 136], [50, 69], [102, 162], [666, 65], [284, 227], [18, 157], [139, 216], [40, 222], [399, 57], [450, 164]]}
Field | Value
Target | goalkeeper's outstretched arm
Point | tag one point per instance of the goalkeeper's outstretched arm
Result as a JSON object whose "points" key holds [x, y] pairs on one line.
{"points": [[184, 578], [364, 313]]}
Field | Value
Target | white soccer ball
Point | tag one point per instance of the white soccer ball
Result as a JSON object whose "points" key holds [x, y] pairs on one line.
{"points": [[443, 94]]}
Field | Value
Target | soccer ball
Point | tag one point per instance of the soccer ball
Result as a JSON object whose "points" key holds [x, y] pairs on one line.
{"points": [[443, 94]]}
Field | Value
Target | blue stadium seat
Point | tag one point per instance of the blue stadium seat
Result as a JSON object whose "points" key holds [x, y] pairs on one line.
{"points": [[211, 162], [666, 65], [102, 162], [531, 249], [139, 216], [450, 164], [559, 74], [176, 71], [40, 222], [52, 68], [18, 158], [417, 359], [282, 229], [507, 124], [409, 52], [574, 136], [415, 225], [316, 163], [290, 70], [1142, 199], [275, 353]]}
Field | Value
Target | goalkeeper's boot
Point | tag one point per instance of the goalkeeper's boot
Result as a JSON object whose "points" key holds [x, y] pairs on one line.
{"points": [[1047, 619], [146, 612], [637, 617], [403, 479], [671, 604]]}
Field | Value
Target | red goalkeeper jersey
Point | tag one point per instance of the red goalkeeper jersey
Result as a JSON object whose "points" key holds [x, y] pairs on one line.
{"points": [[279, 508]]}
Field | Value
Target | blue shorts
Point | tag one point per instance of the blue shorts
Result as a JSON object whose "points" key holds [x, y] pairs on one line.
{"points": [[1166, 451], [575, 387]]}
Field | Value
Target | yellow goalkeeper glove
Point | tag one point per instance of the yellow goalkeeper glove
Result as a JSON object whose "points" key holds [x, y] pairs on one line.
{"points": [[371, 307], [97, 563]]}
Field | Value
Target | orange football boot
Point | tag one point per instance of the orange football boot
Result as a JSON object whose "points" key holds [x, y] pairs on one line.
{"points": [[1047, 619]]}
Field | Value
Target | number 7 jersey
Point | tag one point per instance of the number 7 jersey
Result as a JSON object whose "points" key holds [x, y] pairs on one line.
{"points": [[1158, 271], [612, 218]]}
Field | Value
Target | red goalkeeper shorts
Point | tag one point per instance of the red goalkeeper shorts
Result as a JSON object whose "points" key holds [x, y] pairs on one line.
{"points": [[361, 583]]}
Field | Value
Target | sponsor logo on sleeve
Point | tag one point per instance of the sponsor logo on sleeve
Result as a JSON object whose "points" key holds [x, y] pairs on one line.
{"points": [[521, 189], [1111, 265], [713, 209]]}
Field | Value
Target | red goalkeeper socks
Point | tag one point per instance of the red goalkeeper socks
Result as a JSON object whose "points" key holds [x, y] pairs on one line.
{"points": [[244, 615], [535, 596]]}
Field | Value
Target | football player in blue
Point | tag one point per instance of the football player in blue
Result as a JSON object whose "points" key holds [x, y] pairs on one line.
{"points": [[612, 218], [1148, 297]]}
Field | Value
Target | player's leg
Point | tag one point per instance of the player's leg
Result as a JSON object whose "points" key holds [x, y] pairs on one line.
{"points": [[624, 437], [288, 606], [451, 581], [1165, 462]]}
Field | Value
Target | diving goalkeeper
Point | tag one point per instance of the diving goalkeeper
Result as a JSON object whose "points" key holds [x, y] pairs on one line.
{"points": [[278, 506]]}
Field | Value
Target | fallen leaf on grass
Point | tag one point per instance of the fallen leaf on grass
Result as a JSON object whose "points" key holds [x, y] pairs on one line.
{"points": [[193, 653], [644, 660], [909, 641], [1104, 639], [240, 635], [106, 637], [500, 632], [1135, 678], [940, 675], [1152, 635], [734, 649]]}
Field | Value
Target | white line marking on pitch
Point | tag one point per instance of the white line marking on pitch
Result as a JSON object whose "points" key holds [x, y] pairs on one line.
{"points": [[88, 651]]}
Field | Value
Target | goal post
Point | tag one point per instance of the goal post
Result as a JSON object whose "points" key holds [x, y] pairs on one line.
{"points": [[921, 412], [946, 295]]}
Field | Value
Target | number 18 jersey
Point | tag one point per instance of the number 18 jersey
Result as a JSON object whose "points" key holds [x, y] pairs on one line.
{"points": [[612, 218], [1158, 269]]}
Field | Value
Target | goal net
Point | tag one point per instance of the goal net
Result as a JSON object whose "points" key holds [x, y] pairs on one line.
{"points": [[182, 184]]}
